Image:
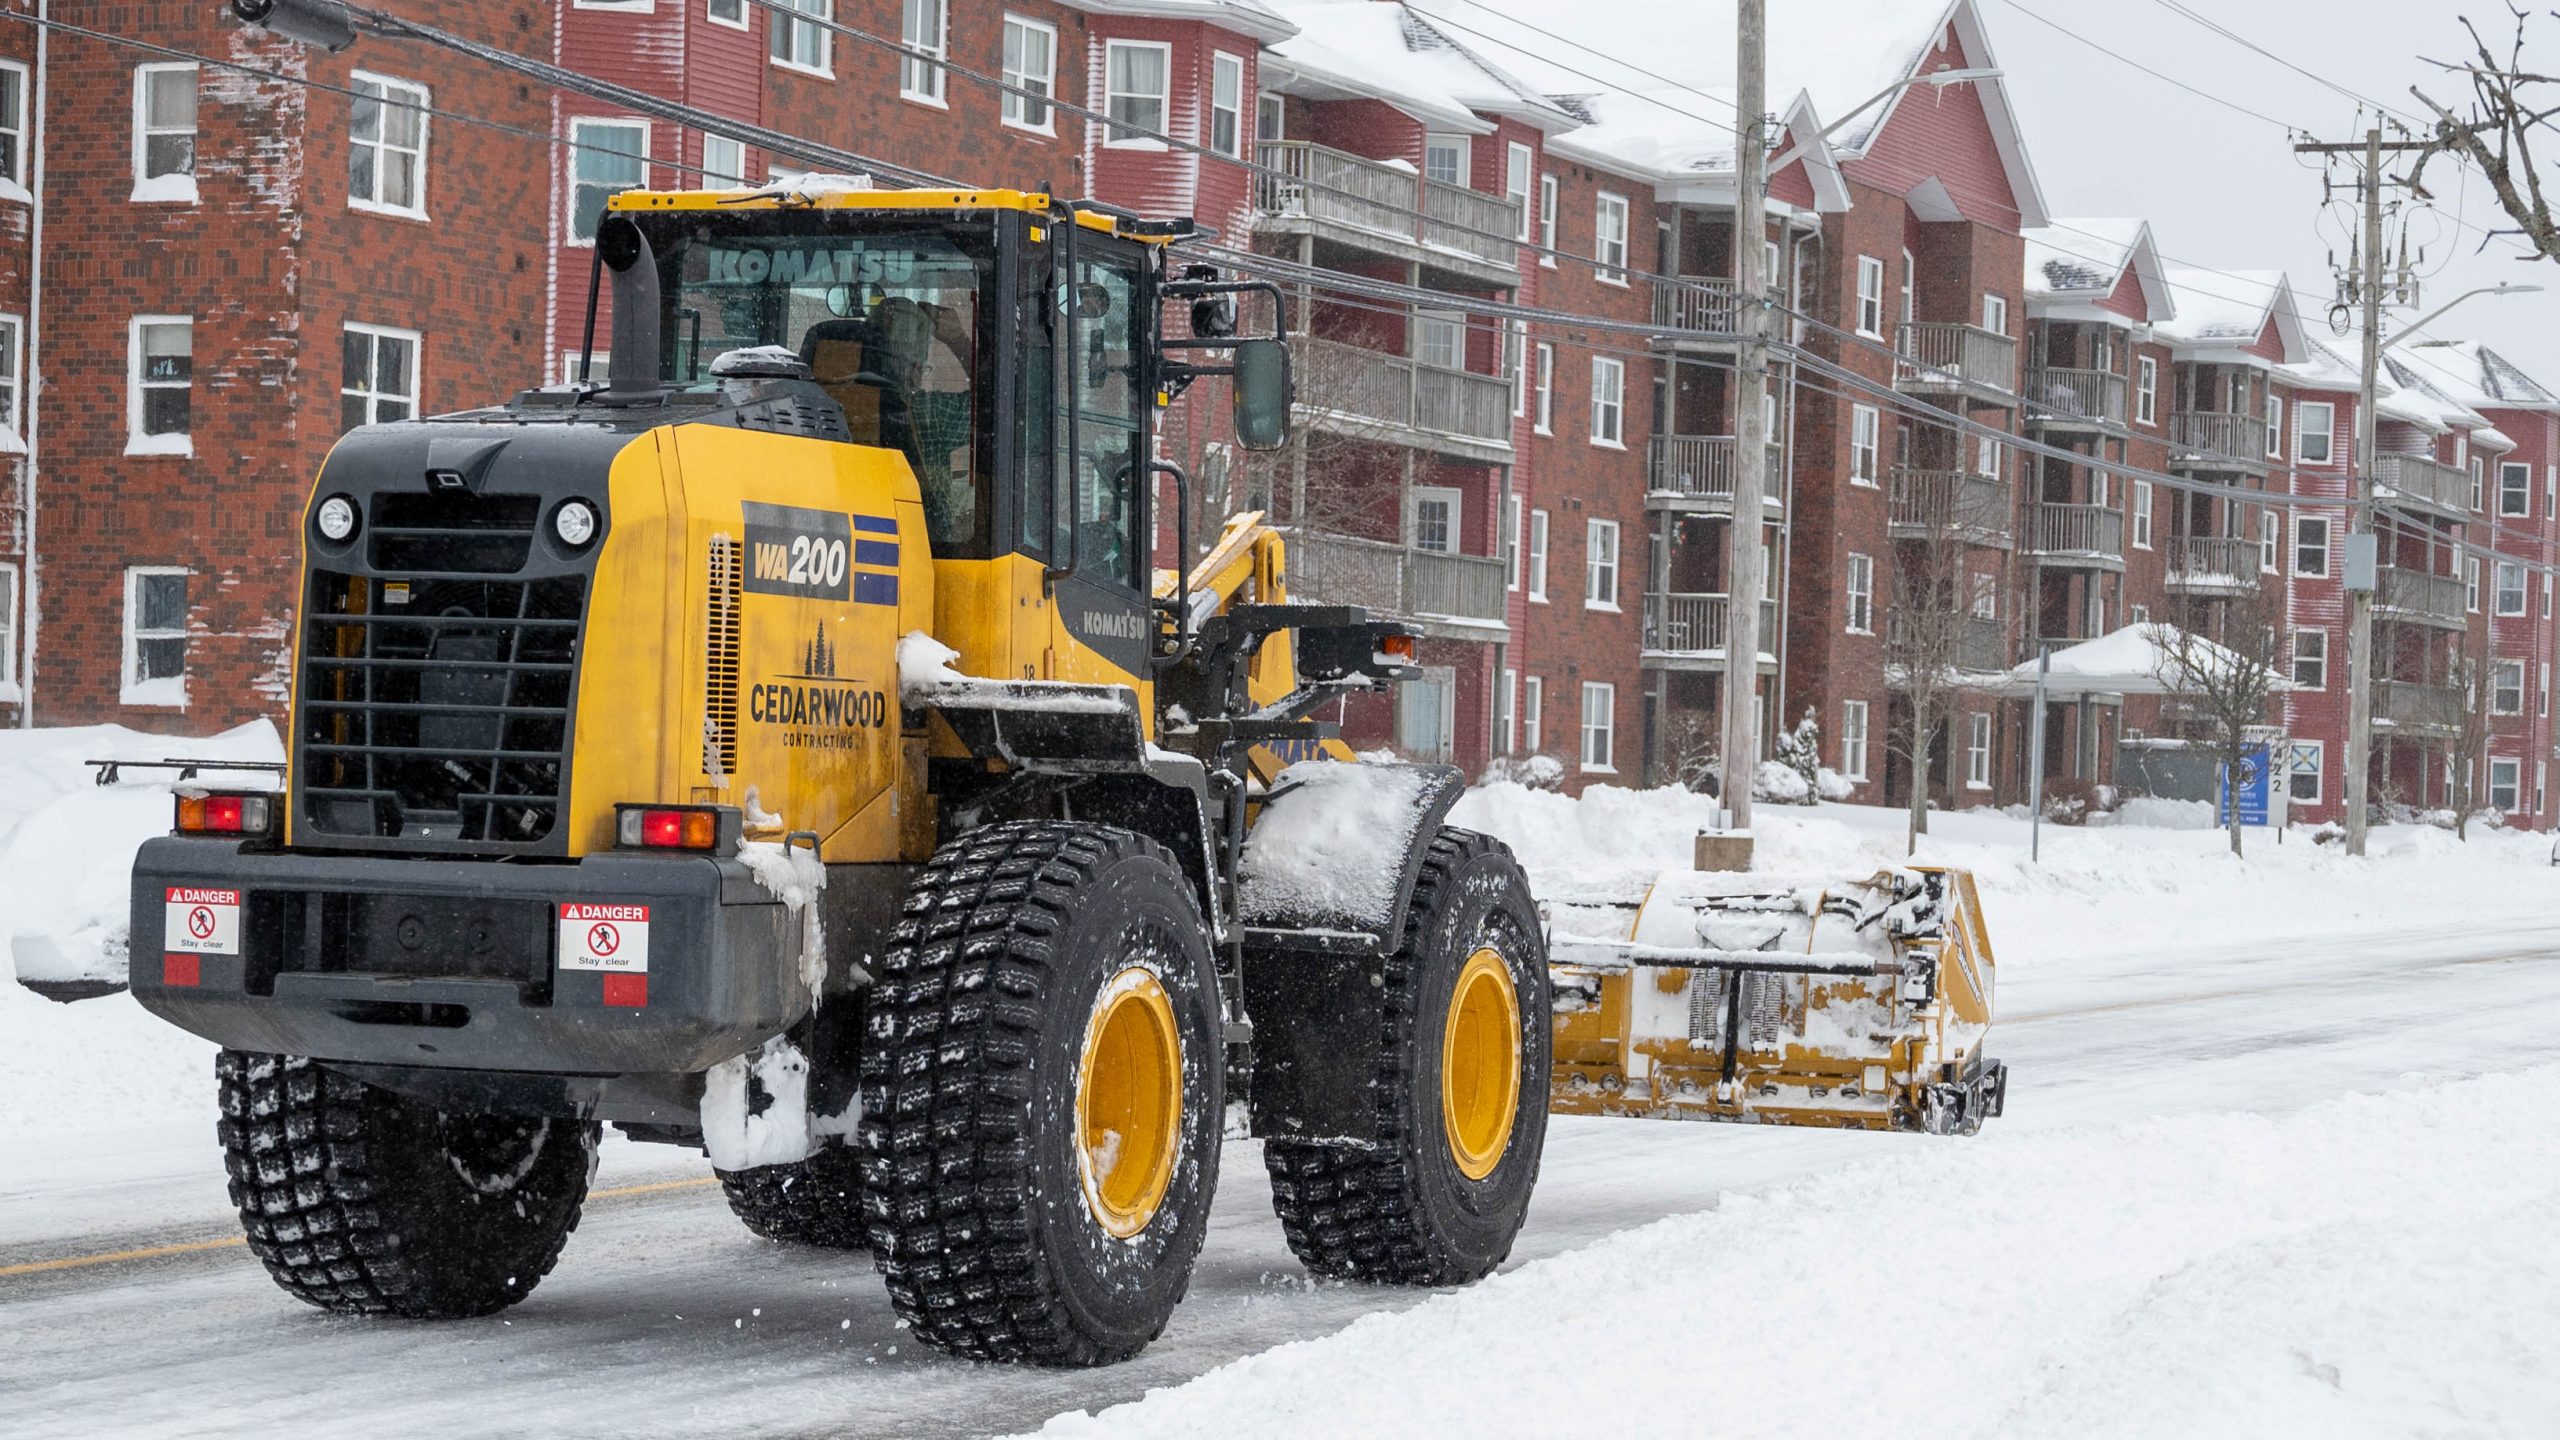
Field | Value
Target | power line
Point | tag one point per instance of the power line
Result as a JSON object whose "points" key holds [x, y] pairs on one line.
{"points": [[2235, 37], [2125, 59]]}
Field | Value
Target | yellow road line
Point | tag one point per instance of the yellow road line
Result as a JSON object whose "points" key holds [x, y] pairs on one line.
{"points": [[190, 1247]]}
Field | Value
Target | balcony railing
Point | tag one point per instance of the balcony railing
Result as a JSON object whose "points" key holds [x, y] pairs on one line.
{"points": [[2417, 480], [2416, 595], [1698, 305], [1938, 355], [2214, 563], [1981, 643], [1392, 579], [1317, 182], [1391, 389], [2231, 439], [2410, 705], [1929, 503], [2060, 393], [1700, 467], [1693, 623], [2091, 532]]}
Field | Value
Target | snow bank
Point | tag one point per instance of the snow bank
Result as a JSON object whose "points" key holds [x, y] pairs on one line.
{"points": [[2377, 1265]]}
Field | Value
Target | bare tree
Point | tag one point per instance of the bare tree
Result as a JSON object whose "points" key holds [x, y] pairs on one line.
{"points": [[2494, 129], [2222, 686], [2466, 707], [1937, 651]]}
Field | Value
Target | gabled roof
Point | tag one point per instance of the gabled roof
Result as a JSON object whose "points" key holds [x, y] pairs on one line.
{"points": [[2083, 261], [2227, 310], [1645, 133], [2477, 376], [1245, 17], [1393, 54]]}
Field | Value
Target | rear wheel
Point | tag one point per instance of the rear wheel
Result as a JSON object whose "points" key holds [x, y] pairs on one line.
{"points": [[1042, 1094], [815, 1202], [364, 1201], [1460, 1062]]}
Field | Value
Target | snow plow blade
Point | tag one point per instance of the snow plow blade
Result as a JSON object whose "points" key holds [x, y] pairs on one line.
{"points": [[1853, 1005]]}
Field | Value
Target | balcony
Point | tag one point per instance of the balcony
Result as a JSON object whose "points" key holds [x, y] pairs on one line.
{"points": [[1944, 358], [2089, 537], [1453, 597], [1686, 631], [1698, 311], [2060, 398], [2214, 565], [2418, 598], [1693, 475], [1366, 394], [2211, 440], [1349, 199], [2413, 708], [1928, 504], [2429, 487], [1981, 645]]}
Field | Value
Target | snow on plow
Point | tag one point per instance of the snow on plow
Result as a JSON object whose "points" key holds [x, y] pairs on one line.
{"points": [[1859, 1004]]}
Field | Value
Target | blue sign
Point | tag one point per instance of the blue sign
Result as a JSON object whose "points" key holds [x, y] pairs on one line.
{"points": [[2254, 786]]}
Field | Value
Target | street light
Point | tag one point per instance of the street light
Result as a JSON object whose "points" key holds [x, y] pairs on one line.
{"points": [[2503, 287]]}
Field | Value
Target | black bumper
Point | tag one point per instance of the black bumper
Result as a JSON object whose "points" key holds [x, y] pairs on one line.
{"points": [[458, 964]]}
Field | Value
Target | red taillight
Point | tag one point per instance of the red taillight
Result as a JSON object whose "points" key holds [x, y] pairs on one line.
{"points": [[213, 814], [669, 827], [222, 812], [661, 827]]}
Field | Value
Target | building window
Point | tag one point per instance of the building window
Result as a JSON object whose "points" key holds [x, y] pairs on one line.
{"points": [[1871, 296], [160, 385], [387, 149], [801, 44], [1514, 516], [9, 631], [1609, 237], [1427, 713], [2270, 542], [732, 13], [1517, 164], [1506, 711], [1436, 522], [1537, 556], [2511, 600], [2515, 488], [1977, 751], [1439, 339], [2275, 428], [1600, 565], [155, 635], [2310, 659], [1853, 739], [1547, 220], [380, 377], [1533, 714], [1862, 594], [1866, 444], [923, 25], [2302, 784], [2479, 484], [1995, 313], [1608, 401], [1444, 159], [1986, 596], [164, 133], [724, 163], [1030, 63], [2146, 391], [12, 362], [2504, 778], [13, 141], [1226, 103], [1135, 76], [2506, 687], [1600, 727], [1546, 419], [2142, 514], [608, 157], [2311, 546], [2313, 420], [1515, 368], [2471, 586]]}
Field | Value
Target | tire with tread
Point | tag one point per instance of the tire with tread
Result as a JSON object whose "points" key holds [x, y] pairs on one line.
{"points": [[815, 1202], [361, 1200], [992, 977], [1396, 1209]]}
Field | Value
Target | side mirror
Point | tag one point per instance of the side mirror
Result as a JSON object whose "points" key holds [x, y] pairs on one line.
{"points": [[1263, 391]]}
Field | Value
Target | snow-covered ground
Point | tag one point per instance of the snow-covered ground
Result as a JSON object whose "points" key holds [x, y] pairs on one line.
{"points": [[2277, 1161]]}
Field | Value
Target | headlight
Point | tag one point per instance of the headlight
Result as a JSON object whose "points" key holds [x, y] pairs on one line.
{"points": [[574, 523], [337, 518]]}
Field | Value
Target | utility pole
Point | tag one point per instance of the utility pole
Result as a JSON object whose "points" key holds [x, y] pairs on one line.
{"points": [[2366, 286], [1744, 577]]}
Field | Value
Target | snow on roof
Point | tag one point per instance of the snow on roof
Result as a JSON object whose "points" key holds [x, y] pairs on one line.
{"points": [[2222, 304], [2322, 367], [2471, 374], [1359, 48], [2419, 389], [2080, 259], [2140, 659]]}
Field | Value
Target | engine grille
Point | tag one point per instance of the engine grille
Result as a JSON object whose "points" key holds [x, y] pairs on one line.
{"points": [[437, 709], [452, 531]]}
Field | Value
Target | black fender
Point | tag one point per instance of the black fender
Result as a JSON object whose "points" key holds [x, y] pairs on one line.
{"points": [[1352, 919]]}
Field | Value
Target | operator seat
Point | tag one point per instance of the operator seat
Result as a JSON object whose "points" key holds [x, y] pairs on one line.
{"points": [[847, 360]]}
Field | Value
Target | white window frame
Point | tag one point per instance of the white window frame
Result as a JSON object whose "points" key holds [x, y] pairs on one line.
{"points": [[1599, 741], [1462, 147], [2479, 475], [176, 187], [1547, 206], [1977, 750], [2146, 390], [2522, 473], [2270, 542], [1546, 416], [635, 7], [2510, 570], [417, 97], [734, 19], [9, 607], [1995, 313], [579, 127], [1455, 528], [1130, 134], [1910, 277], [2500, 688], [161, 692], [1016, 109], [1444, 331], [175, 443], [2318, 661], [1515, 364], [2275, 427], [1613, 268], [1600, 556], [13, 380], [1866, 446], [1533, 714], [732, 169], [785, 31], [373, 398], [1609, 402], [926, 82], [2318, 753], [2303, 527], [1853, 739], [1858, 581], [1538, 556], [2305, 432], [13, 144], [2471, 586], [2141, 514], [1506, 706], [1870, 311], [2514, 785], [1224, 65], [1519, 169], [1515, 540]]}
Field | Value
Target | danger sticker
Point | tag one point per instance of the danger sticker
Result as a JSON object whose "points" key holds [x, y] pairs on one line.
{"points": [[202, 921], [604, 937]]}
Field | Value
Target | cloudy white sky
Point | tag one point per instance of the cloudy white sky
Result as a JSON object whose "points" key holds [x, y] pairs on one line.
{"points": [[2220, 189]]}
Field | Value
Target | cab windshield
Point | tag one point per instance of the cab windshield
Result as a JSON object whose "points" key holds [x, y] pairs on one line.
{"points": [[886, 311]]}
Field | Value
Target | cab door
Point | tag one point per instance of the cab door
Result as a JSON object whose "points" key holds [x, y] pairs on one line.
{"points": [[1101, 523]]}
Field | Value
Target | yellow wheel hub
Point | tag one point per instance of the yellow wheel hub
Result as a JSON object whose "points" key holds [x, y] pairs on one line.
{"points": [[1480, 1064], [1129, 1102]]}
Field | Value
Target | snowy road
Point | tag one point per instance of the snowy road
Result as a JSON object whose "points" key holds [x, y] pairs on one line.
{"points": [[665, 1316]]}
